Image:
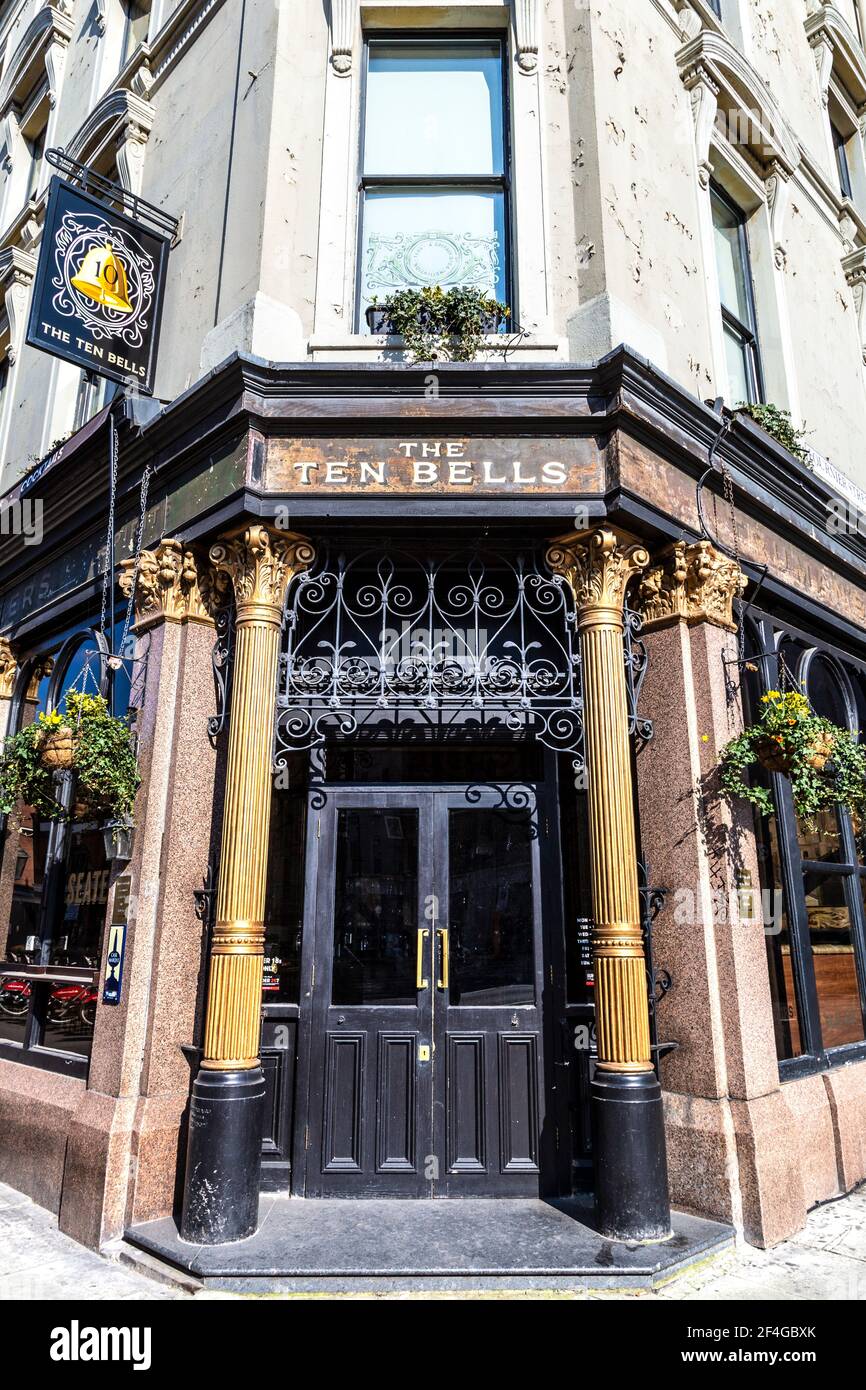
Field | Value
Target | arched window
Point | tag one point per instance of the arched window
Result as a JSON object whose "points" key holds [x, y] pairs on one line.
{"points": [[816, 941], [50, 971]]}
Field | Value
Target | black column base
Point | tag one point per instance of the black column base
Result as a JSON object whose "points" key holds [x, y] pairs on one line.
{"points": [[223, 1157], [631, 1171]]}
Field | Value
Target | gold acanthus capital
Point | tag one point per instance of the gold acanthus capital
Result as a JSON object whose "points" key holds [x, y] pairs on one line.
{"points": [[598, 566], [261, 563], [8, 669], [173, 583], [692, 583]]}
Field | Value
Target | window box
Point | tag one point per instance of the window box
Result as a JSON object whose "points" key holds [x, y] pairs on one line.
{"points": [[378, 320]]}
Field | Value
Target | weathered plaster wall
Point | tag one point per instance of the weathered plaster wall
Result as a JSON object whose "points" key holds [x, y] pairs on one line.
{"points": [[617, 184]]}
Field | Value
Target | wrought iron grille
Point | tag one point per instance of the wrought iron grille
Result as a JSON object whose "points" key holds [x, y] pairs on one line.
{"points": [[474, 641]]}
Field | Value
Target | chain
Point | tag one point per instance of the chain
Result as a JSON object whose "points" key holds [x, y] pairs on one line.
{"points": [[728, 484], [139, 537], [108, 572]]}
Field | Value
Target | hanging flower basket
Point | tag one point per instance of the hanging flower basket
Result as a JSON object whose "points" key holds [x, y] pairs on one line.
{"points": [[825, 764], [87, 740], [57, 748]]}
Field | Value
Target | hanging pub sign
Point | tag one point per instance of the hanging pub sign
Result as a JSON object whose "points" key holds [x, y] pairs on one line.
{"points": [[97, 300]]}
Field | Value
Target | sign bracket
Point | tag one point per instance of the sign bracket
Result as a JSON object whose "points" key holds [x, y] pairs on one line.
{"points": [[131, 203]]}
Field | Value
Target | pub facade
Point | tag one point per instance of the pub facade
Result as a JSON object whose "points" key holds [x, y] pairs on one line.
{"points": [[432, 891]]}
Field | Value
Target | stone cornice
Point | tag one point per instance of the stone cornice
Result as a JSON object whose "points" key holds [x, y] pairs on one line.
{"points": [[845, 58], [17, 267], [51, 24], [178, 32], [741, 89], [118, 116]]}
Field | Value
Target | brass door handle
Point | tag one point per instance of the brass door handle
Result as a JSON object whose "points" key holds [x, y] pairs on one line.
{"points": [[420, 981], [442, 933]]}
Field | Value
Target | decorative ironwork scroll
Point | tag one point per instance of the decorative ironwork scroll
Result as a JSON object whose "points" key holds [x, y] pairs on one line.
{"points": [[475, 638], [401, 644]]}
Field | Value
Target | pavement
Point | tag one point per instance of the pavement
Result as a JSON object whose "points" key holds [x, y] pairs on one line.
{"points": [[826, 1261]]}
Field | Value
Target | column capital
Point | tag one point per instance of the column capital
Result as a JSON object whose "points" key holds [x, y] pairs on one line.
{"points": [[8, 669], [692, 583], [597, 566], [261, 563], [174, 584]]}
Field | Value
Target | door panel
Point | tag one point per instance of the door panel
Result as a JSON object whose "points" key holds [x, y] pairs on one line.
{"points": [[395, 1089], [487, 1113], [370, 1102], [344, 1103]]}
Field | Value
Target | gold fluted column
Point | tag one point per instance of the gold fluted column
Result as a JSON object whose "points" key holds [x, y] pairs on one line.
{"points": [[261, 564], [598, 567]]}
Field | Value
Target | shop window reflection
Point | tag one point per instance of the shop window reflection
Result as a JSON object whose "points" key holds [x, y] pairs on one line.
{"points": [[832, 944], [820, 837], [57, 925], [284, 906], [777, 937]]}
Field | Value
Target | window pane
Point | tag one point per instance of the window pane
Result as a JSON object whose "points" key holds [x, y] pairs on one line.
{"points": [[284, 908], [729, 259], [825, 694], [376, 907], [14, 1008], [821, 837], [433, 109], [833, 956], [490, 907], [77, 939], [448, 237], [777, 937], [70, 1013], [739, 387], [24, 940]]}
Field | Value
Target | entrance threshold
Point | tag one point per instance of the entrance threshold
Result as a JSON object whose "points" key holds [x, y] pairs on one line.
{"points": [[309, 1245]]}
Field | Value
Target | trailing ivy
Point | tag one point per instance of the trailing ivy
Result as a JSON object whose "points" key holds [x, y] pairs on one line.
{"points": [[825, 763], [103, 760], [778, 425], [436, 323]]}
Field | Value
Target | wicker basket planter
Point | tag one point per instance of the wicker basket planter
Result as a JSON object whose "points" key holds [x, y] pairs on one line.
{"points": [[57, 749]]}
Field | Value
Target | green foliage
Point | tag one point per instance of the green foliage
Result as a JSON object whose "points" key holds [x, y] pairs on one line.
{"points": [[436, 323], [824, 762], [104, 761], [779, 425]]}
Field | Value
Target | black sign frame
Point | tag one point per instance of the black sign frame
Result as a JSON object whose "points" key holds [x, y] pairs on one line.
{"points": [[137, 367]]}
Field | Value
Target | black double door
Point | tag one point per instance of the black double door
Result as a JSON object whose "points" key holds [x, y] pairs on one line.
{"points": [[425, 1041]]}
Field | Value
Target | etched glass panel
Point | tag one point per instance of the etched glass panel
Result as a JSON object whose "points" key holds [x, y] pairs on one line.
{"points": [[417, 237]]}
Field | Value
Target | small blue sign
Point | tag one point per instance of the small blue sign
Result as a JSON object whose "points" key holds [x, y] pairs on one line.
{"points": [[114, 963]]}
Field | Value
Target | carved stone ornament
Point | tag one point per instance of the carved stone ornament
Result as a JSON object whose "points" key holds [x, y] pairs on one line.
{"points": [[693, 584], [261, 564], [8, 669], [174, 585], [343, 16], [597, 566], [526, 34]]}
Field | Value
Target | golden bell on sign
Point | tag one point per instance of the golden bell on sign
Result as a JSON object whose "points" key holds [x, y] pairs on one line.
{"points": [[102, 278]]}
